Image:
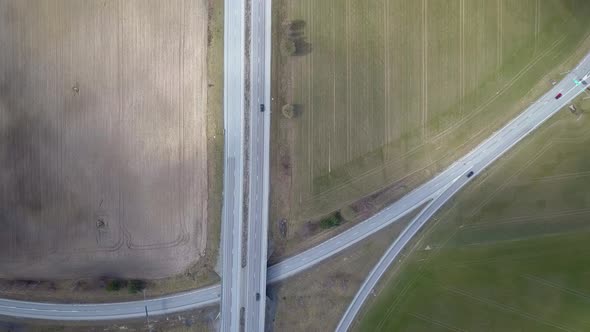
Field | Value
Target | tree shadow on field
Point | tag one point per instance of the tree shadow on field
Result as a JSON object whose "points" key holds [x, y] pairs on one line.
{"points": [[295, 31], [303, 47], [298, 110], [297, 25]]}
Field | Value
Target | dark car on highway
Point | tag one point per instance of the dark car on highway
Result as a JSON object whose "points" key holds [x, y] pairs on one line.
{"points": [[558, 95], [469, 174]]}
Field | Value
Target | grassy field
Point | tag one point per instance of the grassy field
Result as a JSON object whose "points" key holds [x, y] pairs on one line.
{"points": [[509, 254], [391, 91], [322, 293]]}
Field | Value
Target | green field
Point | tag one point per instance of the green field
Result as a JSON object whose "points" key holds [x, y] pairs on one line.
{"points": [[511, 253], [393, 91], [322, 293]]}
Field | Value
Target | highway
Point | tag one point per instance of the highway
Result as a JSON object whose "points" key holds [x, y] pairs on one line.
{"points": [[476, 161], [253, 278], [233, 171], [437, 190], [111, 311], [244, 240]]}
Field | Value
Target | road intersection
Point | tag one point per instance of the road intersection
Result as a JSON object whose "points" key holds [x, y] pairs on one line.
{"points": [[512, 133], [232, 293]]}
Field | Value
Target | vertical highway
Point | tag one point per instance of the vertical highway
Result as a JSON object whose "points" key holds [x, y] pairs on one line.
{"points": [[245, 219], [233, 171], [254, 277]]}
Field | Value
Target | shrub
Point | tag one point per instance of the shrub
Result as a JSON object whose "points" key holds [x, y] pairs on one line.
{"points": [[136, 286], [296, 25], [115, 285], [331, 221]]}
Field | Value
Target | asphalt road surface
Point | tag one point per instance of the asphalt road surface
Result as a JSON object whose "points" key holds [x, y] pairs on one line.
{"points": [[476, 160], [253, 277], [391, 254], [233, 173], [111, 311]]}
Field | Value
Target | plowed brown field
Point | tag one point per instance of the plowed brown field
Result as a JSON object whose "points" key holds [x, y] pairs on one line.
{"points": [[103, 147]]}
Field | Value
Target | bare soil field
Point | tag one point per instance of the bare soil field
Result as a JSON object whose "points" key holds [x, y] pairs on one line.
{"points": [[390, 92], [191, 321], [103, 148]]}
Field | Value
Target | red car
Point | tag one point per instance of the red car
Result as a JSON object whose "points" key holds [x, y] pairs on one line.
{"points": [[558, 96]]}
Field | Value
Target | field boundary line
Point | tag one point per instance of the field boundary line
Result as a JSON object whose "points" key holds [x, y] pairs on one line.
{"points": [[122, 229], [349, 122], [537, 23], [521, 257], [436, 322], [309, 118], [424, 70], [181, 131], [502, 89], [581, 138], [514, 240], [373, 170], [387, 137], [376, 169], [524, 219], [557, 286], [506, 308], [310, 94], [370, 172], [499, 38], [560, 177], [462, 57], [333, 136]]}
